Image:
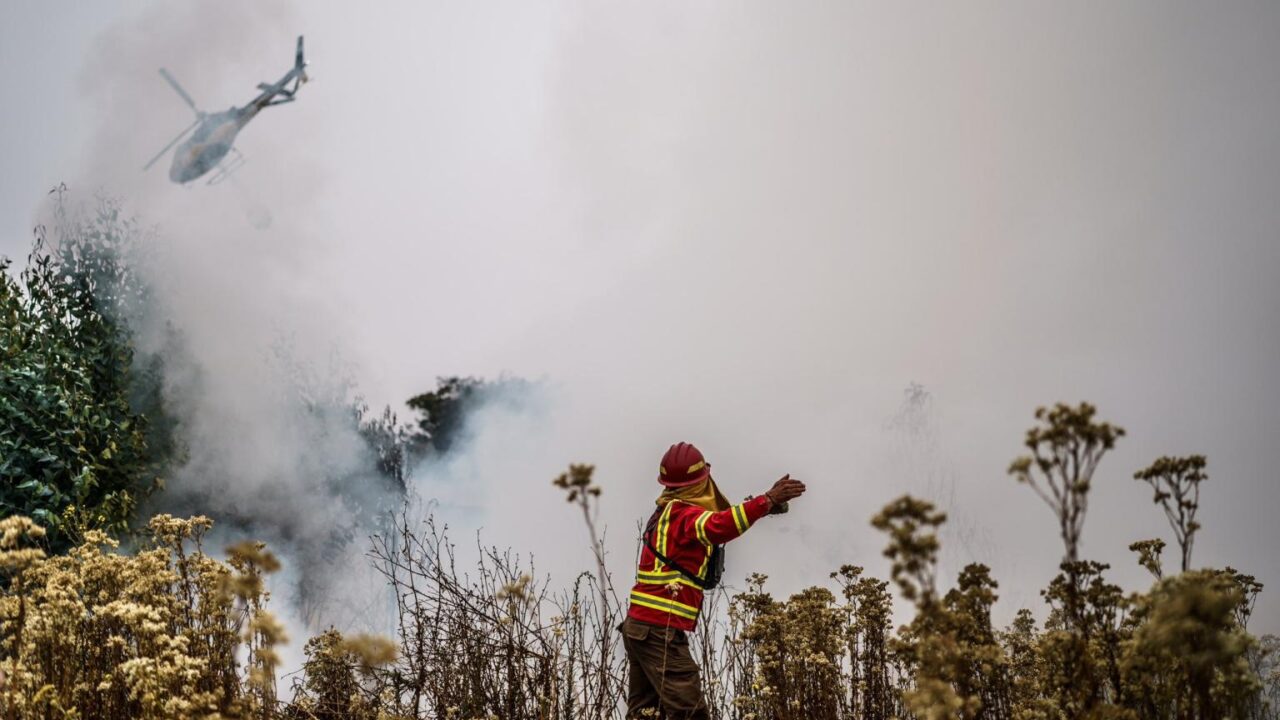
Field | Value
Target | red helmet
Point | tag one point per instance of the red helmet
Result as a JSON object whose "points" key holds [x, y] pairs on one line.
{"points": [[683, 465]]}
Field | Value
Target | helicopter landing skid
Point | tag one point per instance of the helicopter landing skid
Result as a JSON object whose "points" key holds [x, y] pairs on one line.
{"points": [[227, 167]]}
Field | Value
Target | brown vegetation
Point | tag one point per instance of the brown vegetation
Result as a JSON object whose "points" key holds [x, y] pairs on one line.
{"points": [[169, 632]]}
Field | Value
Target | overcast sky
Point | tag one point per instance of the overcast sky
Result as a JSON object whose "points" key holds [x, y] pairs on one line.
{"points": [[747, 225]]}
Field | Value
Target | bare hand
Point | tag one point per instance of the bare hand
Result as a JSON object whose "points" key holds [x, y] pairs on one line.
{"points": [[785, 490]]}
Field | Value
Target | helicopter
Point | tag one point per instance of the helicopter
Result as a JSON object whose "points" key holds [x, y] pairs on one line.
{"points": [[214, 133]]}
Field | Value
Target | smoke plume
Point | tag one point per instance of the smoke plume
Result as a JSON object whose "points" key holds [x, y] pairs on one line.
{"points": [[747, 226]]}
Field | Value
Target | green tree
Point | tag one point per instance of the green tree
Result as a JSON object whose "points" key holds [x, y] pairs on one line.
{"points": [[442, 412], [74, 450]]}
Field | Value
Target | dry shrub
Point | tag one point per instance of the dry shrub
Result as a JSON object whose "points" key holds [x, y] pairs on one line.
{"points": [[157, 634], [1189, 655], [338, 682], [493, 642], [99, 634], [798, 646]]}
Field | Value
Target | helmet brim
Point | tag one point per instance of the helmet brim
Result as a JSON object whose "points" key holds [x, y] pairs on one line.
{"points": [[703, 475]]}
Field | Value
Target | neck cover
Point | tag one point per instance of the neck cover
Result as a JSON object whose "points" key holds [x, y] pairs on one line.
{"points": [[704, 494]]}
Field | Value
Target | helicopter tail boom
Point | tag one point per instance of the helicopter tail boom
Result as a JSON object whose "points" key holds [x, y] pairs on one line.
{"points": [[282, 90]]}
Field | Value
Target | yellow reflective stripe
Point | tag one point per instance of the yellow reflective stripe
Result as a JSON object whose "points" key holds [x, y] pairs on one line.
{"points": [[664, 526], [696, 467], [664, 522], [653, 602], [665, 578], [701, 527], [740, 518], [657, 577]]}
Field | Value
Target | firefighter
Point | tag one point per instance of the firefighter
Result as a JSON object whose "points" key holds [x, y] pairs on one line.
{"points": [[681, 556]]}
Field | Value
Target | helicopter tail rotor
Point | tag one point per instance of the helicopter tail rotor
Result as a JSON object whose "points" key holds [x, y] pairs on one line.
{"points": [[300, 65]]}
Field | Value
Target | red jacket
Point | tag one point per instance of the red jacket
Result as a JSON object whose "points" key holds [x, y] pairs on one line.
{"points": [[685, 534]]}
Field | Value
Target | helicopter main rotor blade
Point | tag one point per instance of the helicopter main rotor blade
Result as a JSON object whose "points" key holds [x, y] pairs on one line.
{"points": [[171, 144], [178, 89]]}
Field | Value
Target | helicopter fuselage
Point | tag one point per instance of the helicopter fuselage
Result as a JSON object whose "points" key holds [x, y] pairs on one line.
{"points": [[210, 142], [213, 134]]}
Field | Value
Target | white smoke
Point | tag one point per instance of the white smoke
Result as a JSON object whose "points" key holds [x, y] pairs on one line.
{"points": [[745, 227]]}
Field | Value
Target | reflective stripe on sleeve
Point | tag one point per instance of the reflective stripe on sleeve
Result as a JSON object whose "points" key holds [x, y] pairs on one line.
{"points": [[701, 527]]}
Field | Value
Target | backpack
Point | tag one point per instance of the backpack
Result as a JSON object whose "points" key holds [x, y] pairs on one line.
{"points": [[715, 566]]}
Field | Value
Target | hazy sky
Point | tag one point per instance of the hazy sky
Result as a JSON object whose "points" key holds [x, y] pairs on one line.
{"points": [[748, 225]]}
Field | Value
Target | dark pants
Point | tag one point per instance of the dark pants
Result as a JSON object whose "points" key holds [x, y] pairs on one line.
{"points": [[664, 678]]}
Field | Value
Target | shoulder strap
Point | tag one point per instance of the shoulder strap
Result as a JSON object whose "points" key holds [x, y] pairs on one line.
{"points": [[651, 527]]}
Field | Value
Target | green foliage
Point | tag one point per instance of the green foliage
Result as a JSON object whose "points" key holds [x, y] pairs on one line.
{"points": [[71, 441], [442, 412]]}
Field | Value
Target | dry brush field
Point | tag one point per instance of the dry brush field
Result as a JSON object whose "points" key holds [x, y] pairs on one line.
{"points": [[170, 632]]}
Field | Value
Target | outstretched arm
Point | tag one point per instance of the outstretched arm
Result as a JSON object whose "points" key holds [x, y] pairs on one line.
{"points": [[717, 528]]}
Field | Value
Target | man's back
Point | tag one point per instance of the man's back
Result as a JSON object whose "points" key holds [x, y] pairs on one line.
{"points": [[686, 536]]}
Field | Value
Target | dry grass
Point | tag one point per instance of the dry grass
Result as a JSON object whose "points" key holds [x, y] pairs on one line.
{"points": [[100, 634], [494, 642], [170, 632]]}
